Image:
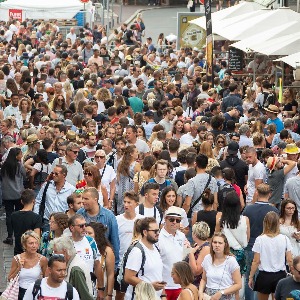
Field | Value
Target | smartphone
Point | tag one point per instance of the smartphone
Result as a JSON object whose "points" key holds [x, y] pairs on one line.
{"points": [[163, 282]]}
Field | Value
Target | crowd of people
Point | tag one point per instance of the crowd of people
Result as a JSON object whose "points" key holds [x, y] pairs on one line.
{"points": [[131, 174]]}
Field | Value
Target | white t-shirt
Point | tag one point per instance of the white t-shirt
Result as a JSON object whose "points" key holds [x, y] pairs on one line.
{"points": [[254, 173], [108, 176], [125, 227], [85, 251], [272, 252], [50, 293], [171, 249], [142, 146], [153, 267], [188, 139], [149, 212], [219, 277]]}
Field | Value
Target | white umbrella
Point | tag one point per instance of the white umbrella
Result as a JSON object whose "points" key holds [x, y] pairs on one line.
{"points": [[171, 38], [293, 60]]}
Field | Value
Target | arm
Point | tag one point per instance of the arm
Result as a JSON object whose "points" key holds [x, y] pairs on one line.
{"points": [[114, 239], [105, 196], [194, 218], [14, 269], [255, 264], [289, 166], [216, 203], [237, 283], [98, 271], [218, 222], [44, 265], [31, 177], [131, 278], [110, 271], [37, 231], [187, 203], [202, 285], [289, 258], [28, 164], [242, 200], [248, 228], [196, 265], [112, 189]]}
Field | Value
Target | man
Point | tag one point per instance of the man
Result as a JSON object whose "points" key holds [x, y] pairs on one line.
{"points": [[157, 90], [167, 122], [58, 189], [149, 206], [289, 287], [87, 52], [53, 287], [245, 133], [8, 142], [136, 103], [215, 108], [78, 273], [125, 227], [197, 185], [232, 99], [256, 175], [60, 131], [74, 203], [190, 137], [232, 114], [96, 58], [30, 220], [71, 35], [74, 168], [193, 92], [153, 266], [107, 147], [292, 188], [256, 214], [149, 118], [91, 145], [234, 162], [264, 96], [272, 114], [107, 173], [93, 212], [171, 246], [217, 124], [13, 108], [131, 137]]}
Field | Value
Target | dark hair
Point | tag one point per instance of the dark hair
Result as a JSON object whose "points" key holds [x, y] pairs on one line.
{"points": [[144, 224], [55, 258], [132, 195], [148, 162], [231, 210], [150, 186], [70, 199], [229, 174], [27, 196], [100, 238], [11, 165], [163, 203], [207, 198], [184, 272], [201, 161], [217, 122], [295, 219]]}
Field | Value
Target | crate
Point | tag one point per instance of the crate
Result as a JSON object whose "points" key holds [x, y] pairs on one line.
{"points": [[72, 22]]}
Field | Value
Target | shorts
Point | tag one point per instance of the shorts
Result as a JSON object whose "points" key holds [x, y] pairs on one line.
{"points": [[266, 282], [117, 285]]}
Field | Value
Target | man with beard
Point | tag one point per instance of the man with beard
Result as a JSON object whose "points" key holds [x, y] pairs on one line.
{"points": [[91, 145], [153, 265]]}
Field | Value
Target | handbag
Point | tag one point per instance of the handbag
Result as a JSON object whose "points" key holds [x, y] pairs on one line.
{"points": [[12, 290]]}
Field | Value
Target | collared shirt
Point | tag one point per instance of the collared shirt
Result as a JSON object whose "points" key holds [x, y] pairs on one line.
{"points": [[10, 111], [107, 218], [148, 129], [55, 201], [75, 172], [276, 140], [245, 141], [171, 251]]}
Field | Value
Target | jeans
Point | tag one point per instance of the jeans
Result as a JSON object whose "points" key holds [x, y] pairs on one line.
{"points": [[10, 207], [249, 294]]}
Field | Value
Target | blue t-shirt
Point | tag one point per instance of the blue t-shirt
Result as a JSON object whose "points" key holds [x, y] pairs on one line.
{"points": [[278, 123]]}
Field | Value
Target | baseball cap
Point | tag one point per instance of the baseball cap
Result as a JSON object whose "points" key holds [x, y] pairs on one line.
{"points": [[68, 122], [240, 109], [149, 113], [233, 148], [109, 81]]}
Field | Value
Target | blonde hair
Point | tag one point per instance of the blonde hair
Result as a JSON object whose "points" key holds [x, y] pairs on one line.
{"points": [[201, 230], [145, 291], [271, 224], [26, 235]]}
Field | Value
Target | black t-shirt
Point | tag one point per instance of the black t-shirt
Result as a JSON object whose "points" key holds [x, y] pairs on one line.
{"points": [[287, 288], [51, 157], [21, 222], [289, 106]]}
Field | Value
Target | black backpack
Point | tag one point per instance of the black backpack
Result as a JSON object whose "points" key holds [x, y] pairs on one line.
{"points": [[142, 211], [222, 192], [37, 290], [268, 99]]}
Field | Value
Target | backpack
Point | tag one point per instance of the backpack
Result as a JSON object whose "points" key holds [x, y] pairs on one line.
{"points": [[222, 192], [37, 289], [93, 245], [268, 99], [123, 284], [142, 211]]}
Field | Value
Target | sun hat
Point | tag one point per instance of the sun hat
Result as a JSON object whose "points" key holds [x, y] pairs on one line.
{"points": [[272, 109], [174, 211], [291, 149]]}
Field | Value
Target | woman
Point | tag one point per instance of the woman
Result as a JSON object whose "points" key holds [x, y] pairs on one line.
{"points": [[206, 149], [160, 43], [208, 214], [24, 113], [12, 175], [272, 251], [290, 104], [220, 143], [271, 129], [235, 227], [200, 234], [44, 107], [141, 177], [125, 173], [183, 275], [209, 137], [145, 291], [168, 198], [221, 273], [289, 224], [40, 89], [248, 101], [58, 222], [59, 106], [107, 260], [93, 179], [177, 131], [11, 88], [29, 264]]}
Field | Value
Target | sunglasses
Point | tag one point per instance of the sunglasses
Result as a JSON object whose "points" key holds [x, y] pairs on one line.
{"points": [[172, 220], [88, 174], [81, 225], [60, 99], [75, 152], [156, 231], [101, 157], [58, 256], [220, 142], [78, 191]]}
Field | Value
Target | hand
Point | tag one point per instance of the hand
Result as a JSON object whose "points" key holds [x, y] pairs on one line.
{"points": [[100, 295], [296, 235], [216, 296], [251, 283], [158, 285], [246, 189], [200, 295], [194, 249]]}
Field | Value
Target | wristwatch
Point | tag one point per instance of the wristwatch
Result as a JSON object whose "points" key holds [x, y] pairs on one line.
{"points": [[222, 292]]}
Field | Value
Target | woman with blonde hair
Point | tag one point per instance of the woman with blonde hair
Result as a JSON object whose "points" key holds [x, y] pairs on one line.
{"points": [[272, 251], [68, 91], [119, 101], [221, 142], [20, 51], [145, 291], [207, 150], [30, 264], [24, 113], [248, 101], [79, 96]]}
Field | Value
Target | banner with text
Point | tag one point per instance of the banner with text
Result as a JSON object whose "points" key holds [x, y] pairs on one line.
{"points": [[15, 14], [209, 42]]}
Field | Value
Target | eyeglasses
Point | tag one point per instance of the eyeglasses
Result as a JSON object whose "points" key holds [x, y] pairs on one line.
{"points": [[75, 152], [58, 256], [220, 142], [290, 208], [80, 225], [60, 99], [29, 232], [172, 220], [156, 231], [88, 174], [101, 157]]}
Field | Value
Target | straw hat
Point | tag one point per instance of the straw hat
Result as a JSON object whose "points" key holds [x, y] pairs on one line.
{"points": [[291, 149], [272, 109], [271, 162]]}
